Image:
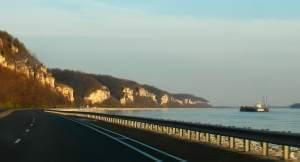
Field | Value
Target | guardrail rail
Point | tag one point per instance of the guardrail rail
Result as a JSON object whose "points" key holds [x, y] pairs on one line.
{"points": [[284, 145]]}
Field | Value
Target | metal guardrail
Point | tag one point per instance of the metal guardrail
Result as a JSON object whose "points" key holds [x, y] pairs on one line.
{"points": [[267, 143]]}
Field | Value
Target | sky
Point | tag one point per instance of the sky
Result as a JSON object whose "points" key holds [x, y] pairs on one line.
{"points": [[231, 52]]}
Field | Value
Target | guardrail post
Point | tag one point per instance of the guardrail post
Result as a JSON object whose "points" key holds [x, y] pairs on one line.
{"points": [[231, 142], [218, 140], [286, 152], [265, 148], [246, 145], [180, 132], [207, 137], [173, 131], [197, 136], [189, 134]]}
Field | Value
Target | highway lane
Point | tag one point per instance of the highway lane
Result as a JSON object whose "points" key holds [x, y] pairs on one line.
{"points": [[32, 135], [147, 150]]}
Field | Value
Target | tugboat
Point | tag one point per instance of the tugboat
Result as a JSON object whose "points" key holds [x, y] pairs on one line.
{"points": [[259, 107]]}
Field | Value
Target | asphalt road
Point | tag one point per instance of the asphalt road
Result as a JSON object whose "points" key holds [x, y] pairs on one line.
{"points": [[36, 136]]}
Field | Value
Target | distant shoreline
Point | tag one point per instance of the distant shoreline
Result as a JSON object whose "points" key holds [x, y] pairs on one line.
{"points": [[100, 109]]}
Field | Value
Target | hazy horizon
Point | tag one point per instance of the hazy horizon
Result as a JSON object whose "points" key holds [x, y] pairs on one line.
{"points": [[228, 51]]}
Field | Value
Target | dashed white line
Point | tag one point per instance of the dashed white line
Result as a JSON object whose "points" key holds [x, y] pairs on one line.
{"points": [[31, 125], [17, 141], [27, 130]]}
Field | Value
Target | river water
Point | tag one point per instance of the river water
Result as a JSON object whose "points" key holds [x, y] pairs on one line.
{"points": [[279, 119]]}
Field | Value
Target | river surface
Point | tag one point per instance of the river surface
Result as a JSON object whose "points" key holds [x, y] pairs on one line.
{"points": [[279, 119]]}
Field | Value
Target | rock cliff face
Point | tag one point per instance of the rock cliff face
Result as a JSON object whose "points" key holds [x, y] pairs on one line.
{"points": [[39, 73], [164, 99], [121, 92], [66, 91], [142, 92], [127, 96], [98, 96], [16, 58]]}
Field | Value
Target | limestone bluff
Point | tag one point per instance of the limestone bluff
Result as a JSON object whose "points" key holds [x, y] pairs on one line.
{"points": [[16, 61], [83, 89]]}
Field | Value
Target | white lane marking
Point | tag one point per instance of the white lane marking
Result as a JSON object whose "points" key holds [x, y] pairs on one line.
{"points": [[27, 130], [128, 145], [136, 141], [31, 125], [17, 141]]}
